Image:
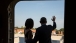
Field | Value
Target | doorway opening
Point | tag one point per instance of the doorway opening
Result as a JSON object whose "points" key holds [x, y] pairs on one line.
{"points": [[36, 10]]}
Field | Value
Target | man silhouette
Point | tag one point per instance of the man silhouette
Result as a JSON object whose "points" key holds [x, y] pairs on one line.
{"points": [[43, 33]]}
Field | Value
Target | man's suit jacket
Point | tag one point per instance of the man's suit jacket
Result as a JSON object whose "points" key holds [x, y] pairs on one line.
{"points": [[43, 33]]}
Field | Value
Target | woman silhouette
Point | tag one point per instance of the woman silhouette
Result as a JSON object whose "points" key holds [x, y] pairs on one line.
{"points": [[27, 31]]}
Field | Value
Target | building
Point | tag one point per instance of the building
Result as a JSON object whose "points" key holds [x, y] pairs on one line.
{"points": [[16, 30]]}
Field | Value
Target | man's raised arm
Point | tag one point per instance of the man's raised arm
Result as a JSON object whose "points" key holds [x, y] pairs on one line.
{"points": [[54, 23]]}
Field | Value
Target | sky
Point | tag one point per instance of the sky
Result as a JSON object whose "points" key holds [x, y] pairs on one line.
{"points": [[38, 9]]}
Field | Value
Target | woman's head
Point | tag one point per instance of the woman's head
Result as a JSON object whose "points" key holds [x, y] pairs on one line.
{"points": [[29, 23]]}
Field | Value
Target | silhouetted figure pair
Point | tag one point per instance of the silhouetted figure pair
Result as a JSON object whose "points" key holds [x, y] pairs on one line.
{"points": [[43, 33]]}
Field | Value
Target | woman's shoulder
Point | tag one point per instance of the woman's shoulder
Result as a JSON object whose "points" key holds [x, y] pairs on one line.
{"points": [[28, 31]]}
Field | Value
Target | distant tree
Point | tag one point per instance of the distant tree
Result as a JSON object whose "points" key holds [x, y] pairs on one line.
{"points": [[16, 27], [22, 27], [56, 29], [33, 28], [62, 29]]}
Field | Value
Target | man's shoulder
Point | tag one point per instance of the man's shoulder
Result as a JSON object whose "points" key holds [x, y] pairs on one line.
{"points": [[49, 25], [38, 28]]}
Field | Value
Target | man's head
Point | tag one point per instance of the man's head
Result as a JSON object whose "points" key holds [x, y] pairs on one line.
{"points": [[43, 20]]}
